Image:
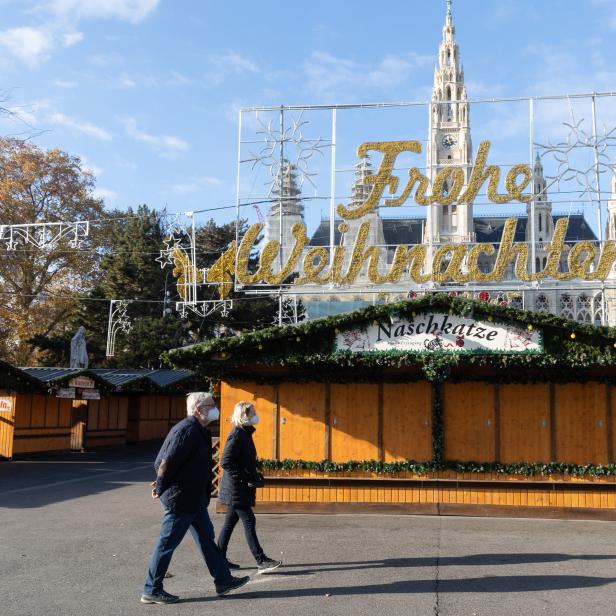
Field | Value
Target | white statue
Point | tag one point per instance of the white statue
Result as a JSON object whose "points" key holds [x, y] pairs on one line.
{"points": [[79, 353]]}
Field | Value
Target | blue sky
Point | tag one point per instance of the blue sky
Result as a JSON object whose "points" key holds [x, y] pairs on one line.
{"points": [[147, 91]]}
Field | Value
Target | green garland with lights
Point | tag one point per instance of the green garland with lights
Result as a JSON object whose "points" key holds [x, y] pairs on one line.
{"points": [[306, 352], [524, 469]]}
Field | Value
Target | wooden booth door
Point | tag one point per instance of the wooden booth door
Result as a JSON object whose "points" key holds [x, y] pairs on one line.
{"points": [[79, 417], [7, 425]]}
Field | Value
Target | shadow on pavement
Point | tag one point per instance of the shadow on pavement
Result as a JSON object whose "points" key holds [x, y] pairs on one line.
{"points": [[444, 561], [488, 584], [41, 479]]}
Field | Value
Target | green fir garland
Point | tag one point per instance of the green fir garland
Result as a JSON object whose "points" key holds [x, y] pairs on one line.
{"points": [[526, 469], [308, 349]]}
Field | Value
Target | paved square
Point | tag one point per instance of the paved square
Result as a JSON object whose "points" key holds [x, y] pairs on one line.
{"points": [[77, 529]]}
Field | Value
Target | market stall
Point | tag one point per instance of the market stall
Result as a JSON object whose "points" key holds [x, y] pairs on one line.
{"points": [[439, 405]]}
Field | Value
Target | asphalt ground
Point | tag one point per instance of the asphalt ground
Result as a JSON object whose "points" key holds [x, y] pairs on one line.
{"points": [[76, 531]]}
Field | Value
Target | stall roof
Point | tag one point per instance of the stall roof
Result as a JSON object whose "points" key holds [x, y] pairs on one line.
{"points": [[307, 351], [116, 379], [162, 378]]}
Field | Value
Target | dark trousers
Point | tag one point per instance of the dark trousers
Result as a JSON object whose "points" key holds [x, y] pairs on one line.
{"points": [[249, 522], [172, 530]]}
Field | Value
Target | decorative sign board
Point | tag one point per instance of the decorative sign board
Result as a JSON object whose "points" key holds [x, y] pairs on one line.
{"points": [[90, 394], [6, 404], [65, 392], [82, 381], [435, 332]]}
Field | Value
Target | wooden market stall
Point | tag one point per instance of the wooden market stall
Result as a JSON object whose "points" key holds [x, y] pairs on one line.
{"points": [[439, 405], [51, 409]]}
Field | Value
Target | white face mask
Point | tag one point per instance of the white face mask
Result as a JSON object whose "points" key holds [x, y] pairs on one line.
{"points": [[254, 420], [213, 414]]}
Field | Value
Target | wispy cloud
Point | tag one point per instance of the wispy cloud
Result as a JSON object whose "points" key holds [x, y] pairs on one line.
{"points": [[80, 126], [196, 185], [72, 38], [106, 194], [167, 146], [30, 45], [329, 77], [58, 19], [132, 11], [610, 12], [229, 63]]}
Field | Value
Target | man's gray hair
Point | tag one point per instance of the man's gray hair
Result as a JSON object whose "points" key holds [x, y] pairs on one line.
{"points": [[195, 399]]}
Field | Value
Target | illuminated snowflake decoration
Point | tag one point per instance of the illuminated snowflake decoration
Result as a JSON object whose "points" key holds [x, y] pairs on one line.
{"points": [[568, 156], [288, 308], [287, 145]]}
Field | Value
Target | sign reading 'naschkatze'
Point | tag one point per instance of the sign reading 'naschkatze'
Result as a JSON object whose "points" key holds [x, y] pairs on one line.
{"points": [[434, 332]]}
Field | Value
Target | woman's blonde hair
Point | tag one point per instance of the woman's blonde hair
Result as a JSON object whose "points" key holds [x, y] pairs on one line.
{"points": [[240, 414]]}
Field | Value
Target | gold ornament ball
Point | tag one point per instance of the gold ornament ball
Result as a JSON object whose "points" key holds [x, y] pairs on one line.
{"points": [[490, 318], [529, 327], [572, 335], [298, 339]]}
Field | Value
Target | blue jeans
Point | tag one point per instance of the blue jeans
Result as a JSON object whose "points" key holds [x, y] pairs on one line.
{"points": [[172, 531]]}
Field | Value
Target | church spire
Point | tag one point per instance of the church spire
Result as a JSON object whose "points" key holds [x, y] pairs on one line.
{"points": [[450, 139]]}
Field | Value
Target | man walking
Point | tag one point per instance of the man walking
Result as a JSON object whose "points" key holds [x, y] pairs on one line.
{"points": [[183, 484]]}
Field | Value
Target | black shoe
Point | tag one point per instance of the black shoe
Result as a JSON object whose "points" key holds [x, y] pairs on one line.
{"points": [[232, 565], [267, 564], [232, 584], [161, 598]]}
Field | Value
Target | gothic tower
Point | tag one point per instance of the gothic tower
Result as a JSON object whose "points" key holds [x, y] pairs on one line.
{"points": [[287, 199], [449, 140], [359, 194], [544, 224]]}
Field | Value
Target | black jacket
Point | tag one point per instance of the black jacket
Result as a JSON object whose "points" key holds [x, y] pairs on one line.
{"points": [[184, 467], [239, 462]]}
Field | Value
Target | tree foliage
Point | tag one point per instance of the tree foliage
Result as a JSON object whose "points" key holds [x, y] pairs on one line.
{"points": [[39, 285]]}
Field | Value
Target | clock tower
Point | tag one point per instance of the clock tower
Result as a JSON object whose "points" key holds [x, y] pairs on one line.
{"points": [[449, 141]]}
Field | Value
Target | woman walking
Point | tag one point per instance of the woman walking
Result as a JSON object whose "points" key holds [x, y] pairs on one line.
{"points": [[239, 484]]}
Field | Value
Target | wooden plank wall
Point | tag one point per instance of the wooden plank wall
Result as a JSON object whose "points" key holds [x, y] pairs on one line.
{"points": [[482, 422], [150, 417], [107, 422], [7, 425], [407, 421], [42, 423], [468, 422]]}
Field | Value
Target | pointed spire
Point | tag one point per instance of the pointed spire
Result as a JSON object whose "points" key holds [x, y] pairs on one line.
{"points": [[448, 8]]}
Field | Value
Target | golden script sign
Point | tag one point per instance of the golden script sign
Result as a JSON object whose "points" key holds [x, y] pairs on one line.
{"points": [[420, 263]]}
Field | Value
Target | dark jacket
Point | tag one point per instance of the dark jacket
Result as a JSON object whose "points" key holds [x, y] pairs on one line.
{"points": [[184, 467], [239, 462]]}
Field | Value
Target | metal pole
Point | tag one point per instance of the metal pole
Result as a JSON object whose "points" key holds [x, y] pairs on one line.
{"points": [[281, 178], [193, 255], [596, 149], [332, 201], [110, 350], [237, 192], [531, 112], [599, 217]]}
